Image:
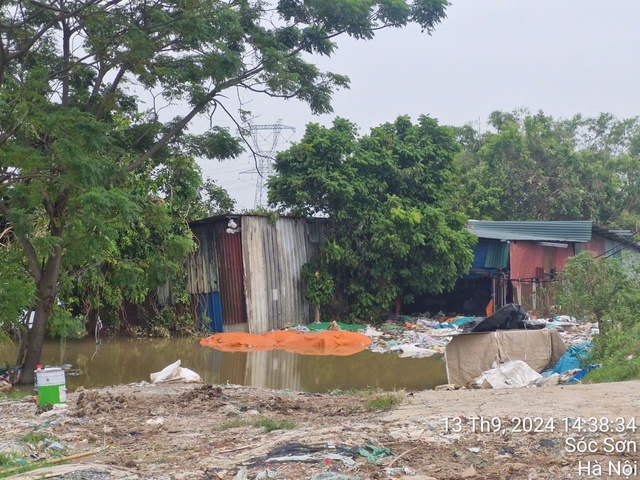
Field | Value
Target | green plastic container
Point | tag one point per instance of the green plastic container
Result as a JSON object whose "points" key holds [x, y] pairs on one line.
{"points": [[51, 386]]}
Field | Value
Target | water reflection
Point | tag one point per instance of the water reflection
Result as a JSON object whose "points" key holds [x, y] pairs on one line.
{"points": [[127, 360]]}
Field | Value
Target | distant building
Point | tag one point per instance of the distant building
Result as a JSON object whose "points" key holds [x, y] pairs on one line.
{"points": [[245, 274], [513, 261]]}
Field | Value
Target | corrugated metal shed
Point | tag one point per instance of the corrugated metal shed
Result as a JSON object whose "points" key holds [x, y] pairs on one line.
{"points": [[202, 265], [562, 231], [256, 269], [273, 255], [230, 273]]}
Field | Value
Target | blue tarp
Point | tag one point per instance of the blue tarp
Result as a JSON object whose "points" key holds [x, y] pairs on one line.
{"points": [[462, 320], [570, 360]]}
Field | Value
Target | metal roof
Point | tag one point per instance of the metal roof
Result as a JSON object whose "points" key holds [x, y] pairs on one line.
{"points": [[563, 231], [626, 238]]}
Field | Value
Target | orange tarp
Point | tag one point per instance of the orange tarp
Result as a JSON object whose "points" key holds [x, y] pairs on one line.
{"points": [[329, 342]]}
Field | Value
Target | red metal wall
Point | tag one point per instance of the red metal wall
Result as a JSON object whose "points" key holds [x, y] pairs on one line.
{"points": [[230, 274], [524, 257], [597, 245], [562, 255]]}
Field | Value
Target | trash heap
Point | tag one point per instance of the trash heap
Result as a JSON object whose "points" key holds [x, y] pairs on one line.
{"points": [[561, 341]]}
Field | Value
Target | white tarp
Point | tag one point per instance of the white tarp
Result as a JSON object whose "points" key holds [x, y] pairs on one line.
{"points": [[508, 375], [175, 372]]}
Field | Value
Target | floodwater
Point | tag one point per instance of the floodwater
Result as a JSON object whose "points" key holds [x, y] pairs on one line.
{"points": [[129, 360]]}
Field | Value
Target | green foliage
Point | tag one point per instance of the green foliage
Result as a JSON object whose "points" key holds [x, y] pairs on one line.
{"points": [[605, 290], [359, 392], [270, 425], [64, 325], [91, 176], [384, 194], [320, 286], [534, 167], [589, 286], [16, 291]]}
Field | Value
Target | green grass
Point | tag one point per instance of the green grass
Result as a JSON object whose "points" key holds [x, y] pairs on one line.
{"points": [[231, 424], [13, 395], [358, 392], [11, 464], [384, 401], [27, 467], [271, 425], [33, 438], [7, 460]]}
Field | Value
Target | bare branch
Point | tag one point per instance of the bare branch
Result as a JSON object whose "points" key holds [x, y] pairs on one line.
{"points": [[244, 139]]}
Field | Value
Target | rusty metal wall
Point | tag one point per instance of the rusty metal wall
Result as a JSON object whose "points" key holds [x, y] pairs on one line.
{"points": [[230, 272], [202, 265], [597, 245], [255, 267], [273, 256], [291, 235]]}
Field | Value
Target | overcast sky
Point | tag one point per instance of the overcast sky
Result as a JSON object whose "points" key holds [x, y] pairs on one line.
{"points": [[560, 56]]}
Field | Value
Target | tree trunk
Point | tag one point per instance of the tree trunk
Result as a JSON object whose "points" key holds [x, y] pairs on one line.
{"points": [[46, 292]]}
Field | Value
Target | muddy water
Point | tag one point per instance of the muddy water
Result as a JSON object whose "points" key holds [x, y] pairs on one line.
{"points": [[127, 360]]}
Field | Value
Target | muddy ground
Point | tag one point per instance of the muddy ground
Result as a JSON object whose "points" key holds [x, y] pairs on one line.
{"points": [[186, 431]]}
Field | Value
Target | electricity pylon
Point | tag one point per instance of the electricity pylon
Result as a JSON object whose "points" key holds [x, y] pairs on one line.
{"points": [[265, 141]]}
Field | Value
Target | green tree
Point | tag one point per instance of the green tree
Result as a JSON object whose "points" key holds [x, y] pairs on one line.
{"points": [[534, 167], [77, 142], [607, 291], [384, 194]]}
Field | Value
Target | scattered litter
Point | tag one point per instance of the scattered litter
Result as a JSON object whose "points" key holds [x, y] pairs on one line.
{"points": [[155, 421], [331, 476], [175, 372], [515, 374], [373, 454]]}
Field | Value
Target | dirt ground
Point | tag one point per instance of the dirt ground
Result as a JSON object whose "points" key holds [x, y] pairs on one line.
{"points": [[187, 431]]}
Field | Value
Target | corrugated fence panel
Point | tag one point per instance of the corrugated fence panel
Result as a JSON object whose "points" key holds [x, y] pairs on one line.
{"points": [[272, 262], [202, 265], [253, 256], [562, 256], [230, 273], [210, 308], [524, 258], [497, 255], [292, 253]]}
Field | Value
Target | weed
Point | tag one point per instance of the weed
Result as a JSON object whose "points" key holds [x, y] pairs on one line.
{"points": [[7, 460], [33, 438], [11, 465], [271, 425], [384, 401], [13, 395], [231, 424], [358, 392]]}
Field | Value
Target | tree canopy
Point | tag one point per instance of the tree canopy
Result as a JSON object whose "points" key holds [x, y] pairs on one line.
{"points": [[535, 167], [86, 91], [386, 195]]}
